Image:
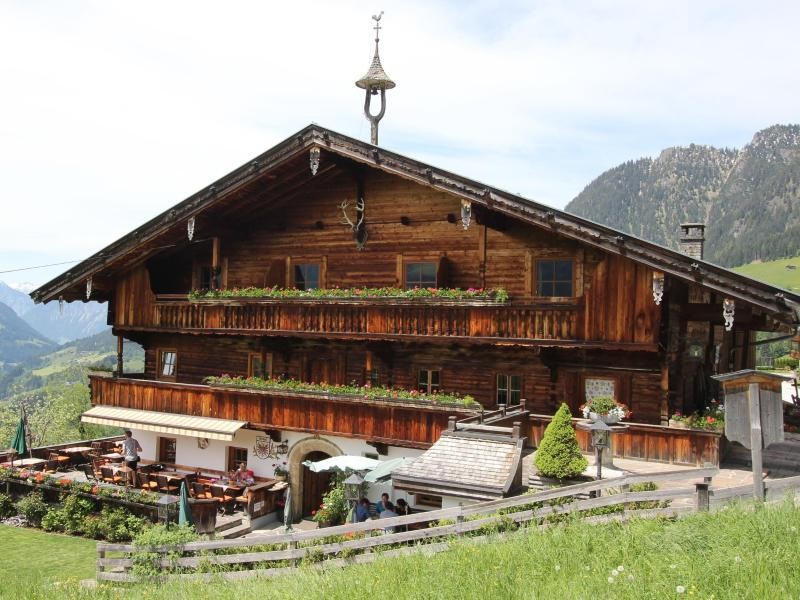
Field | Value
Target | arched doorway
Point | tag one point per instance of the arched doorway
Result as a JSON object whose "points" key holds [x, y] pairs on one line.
{"points": [[299, 476], [314, 485]]}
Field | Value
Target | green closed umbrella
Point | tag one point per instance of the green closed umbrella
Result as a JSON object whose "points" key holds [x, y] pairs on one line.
{"points": [[184, 510], [18, 443]]}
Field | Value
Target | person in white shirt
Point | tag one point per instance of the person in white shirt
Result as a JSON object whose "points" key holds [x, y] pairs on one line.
{"points": [[130, 450]]}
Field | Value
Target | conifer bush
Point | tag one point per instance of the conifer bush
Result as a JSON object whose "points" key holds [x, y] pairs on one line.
{"points": [[559, 455]]}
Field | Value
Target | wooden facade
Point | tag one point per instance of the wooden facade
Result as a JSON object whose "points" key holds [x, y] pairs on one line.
{"points": [[257, 226]]}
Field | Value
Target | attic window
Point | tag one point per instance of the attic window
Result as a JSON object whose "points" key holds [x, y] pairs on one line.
{"points": [[554, 278], [420, 275], [167, 364]]}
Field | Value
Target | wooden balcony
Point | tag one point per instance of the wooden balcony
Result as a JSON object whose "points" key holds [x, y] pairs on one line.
{"points": [[395, 423], [377, 319]]}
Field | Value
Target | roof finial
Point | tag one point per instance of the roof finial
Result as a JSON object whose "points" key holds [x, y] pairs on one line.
{"points": [[374, 81]]}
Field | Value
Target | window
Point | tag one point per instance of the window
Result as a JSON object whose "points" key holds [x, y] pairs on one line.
{"points": [[236, 456], [420, 275], [167, 450], [429, 500], [205, 279], [554, 278], [306, 276], [509, 389], [595, 387], [167, 364], [428, 381], [373, 377], [257, 367]]}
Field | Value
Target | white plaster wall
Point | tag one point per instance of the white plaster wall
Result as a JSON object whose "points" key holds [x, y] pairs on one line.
{"points": [[215, 455]]}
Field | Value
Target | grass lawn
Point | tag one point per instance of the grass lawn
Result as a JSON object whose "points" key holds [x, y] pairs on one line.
{"points": [[734, 553], [31, 554], [775, 272]]}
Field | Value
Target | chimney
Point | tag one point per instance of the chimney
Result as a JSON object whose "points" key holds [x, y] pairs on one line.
{"points": [[692, 239]]}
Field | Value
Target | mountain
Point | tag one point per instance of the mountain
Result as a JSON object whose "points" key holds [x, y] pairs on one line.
{"points": [[18, 340], [78, 320], [748, 198]]}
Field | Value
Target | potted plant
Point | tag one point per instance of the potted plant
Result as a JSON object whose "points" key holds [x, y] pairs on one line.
{"points": [[281, 471], [558, 459], [677, 420], [606, 409]]}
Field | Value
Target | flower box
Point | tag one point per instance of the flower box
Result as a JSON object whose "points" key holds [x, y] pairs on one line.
{"points": [[678, 424]]}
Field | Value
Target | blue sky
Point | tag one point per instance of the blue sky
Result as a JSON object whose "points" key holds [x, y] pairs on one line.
{"points": [[114, 111]]}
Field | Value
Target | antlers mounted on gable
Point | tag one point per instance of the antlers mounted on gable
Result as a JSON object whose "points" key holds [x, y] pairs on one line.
{"points": [[358, 229]]}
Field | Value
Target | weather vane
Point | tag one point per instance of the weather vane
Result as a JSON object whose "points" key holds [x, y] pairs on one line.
{"points": [[376, 80]]}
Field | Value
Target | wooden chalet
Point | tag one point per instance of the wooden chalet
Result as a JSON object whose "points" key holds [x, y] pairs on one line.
{"points": [[590, 310]]}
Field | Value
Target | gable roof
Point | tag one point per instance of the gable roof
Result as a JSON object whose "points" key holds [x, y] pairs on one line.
{"points": [[464, 465], [782, 305]]}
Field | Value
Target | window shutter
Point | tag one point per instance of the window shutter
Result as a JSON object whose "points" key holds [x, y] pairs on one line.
{"points": [[443, 273], [276, 273]]}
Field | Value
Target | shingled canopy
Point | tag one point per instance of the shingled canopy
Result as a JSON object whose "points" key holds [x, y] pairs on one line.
{"points": [[464, 465], [278, 173]]}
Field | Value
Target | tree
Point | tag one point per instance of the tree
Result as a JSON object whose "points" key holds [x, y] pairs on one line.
{"points": [[559, 455]]}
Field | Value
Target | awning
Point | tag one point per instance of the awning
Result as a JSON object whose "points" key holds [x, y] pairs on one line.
{"points": [[147, 420], [384, 470], [342, 463]]}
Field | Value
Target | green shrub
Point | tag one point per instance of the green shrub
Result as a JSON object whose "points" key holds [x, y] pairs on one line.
{"points": [[146, 564], [786, 362], [54, 520], [33, 508], [559, 455], [119, 525], [75, 510], [7, 508], [93, 527]]}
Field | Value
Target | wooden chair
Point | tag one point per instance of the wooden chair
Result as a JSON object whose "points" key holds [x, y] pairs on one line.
{"points": [[200, 492], [97, 449], [60, 460], [88, 471], [225, 501], [146, 482], [50, 467], [108, 475], [165, 486], [241, 500], [96, 466]]}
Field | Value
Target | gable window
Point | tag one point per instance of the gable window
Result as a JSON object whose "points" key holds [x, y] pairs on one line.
{"points": [[554, 278], [428, 381], [306, 276], [509, 389], [420, 275], [167, 364], [258, 367]]}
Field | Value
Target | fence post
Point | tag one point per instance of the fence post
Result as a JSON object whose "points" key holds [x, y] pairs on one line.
{"points": [[451, 424], [99, 568], [515, 427], [701, 490], [293, 546], [460, 516], [625, 489]]}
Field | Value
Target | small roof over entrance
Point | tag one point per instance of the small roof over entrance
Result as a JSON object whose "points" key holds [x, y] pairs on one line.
{"points": [[465, 465], [147, 420]]}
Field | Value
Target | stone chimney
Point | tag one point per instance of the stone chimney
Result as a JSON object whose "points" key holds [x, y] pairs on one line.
{"points": [[692, 239]]}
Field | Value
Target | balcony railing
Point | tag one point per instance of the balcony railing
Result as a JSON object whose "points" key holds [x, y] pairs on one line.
{"points": [[389, 422], [544, 321]]}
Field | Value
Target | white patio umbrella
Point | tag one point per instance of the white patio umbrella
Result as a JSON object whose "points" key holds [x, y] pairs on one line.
{"points": [[342, 463], [384, 469]]}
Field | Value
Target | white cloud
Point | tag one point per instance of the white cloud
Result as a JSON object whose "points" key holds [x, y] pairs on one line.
{"points": [[113, 111]]}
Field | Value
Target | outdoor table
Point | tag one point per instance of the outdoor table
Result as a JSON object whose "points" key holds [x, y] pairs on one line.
{"points": [[114, 456], [28, 462], [126, 471], [76, 453]]}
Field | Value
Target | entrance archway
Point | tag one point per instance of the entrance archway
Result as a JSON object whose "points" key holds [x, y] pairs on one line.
{"points": [[303, 450], [314, 485]]}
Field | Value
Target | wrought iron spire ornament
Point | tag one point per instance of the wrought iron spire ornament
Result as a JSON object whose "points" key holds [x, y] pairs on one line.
{"points": [[376, 80], [61, 305], [466, 213], [88, 287], [190, 228], [728, 309], [658, 287], [313, 160]]}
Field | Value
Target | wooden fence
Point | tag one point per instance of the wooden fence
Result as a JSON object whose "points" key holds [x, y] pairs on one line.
{"points": [[287, 550]]}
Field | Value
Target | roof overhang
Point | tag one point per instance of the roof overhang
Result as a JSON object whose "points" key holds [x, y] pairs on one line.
{"points": [[781, 304], [174, 424]]}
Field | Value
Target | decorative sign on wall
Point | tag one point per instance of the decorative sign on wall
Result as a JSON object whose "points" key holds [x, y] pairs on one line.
{"points": [[596, 388], [264, 448], [202, 443]]}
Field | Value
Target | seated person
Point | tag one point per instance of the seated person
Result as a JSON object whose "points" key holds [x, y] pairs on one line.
{"points": [[362, 510], [388, 513], [401, 507], [381, 506], [244, 475]]}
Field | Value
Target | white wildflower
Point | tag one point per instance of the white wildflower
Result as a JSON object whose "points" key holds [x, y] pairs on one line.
{"points": [[679, 589], [611, 580], [673, 566], [737, 558], [614, 573], [620, 568], [630, 577], [558, 567], [793, 529]]}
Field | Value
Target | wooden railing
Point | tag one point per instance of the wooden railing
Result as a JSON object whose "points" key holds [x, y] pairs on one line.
{"points": [[643, 441], [422, 529], [399, 423], [376, 319]]}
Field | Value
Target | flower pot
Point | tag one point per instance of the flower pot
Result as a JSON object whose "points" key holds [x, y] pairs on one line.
{"points": [[281, 477], [607, 419], [677, 424]]}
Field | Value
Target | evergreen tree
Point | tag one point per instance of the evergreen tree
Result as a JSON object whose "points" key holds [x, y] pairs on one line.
{"points": [[558, 455]]}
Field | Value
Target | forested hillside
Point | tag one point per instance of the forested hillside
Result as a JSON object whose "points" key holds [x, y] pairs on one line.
{"points": [[749, 198]]}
